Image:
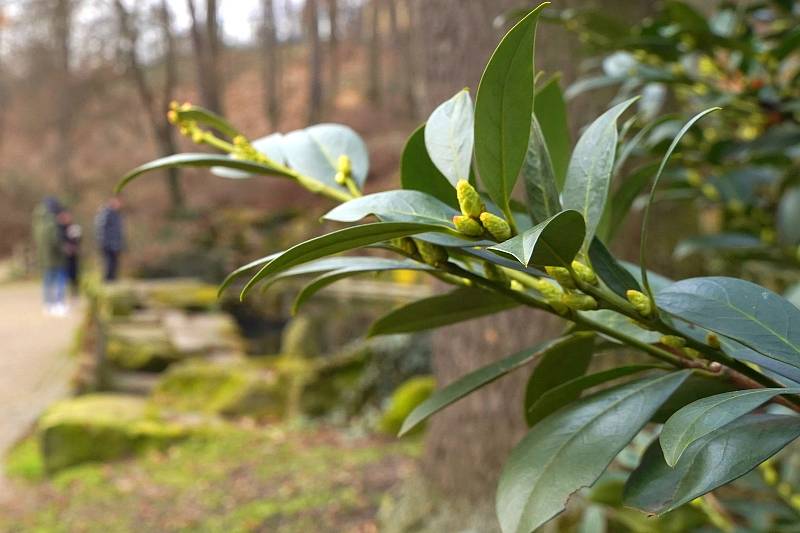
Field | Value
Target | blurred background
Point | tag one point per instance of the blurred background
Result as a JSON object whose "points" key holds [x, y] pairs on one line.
{"points": [[166, 409]]}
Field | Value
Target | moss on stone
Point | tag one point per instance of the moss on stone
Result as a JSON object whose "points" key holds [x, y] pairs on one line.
{"points": [[117, 300], [228, 388], [100, 427], [139, 346], [189, 295], [404, 400]]}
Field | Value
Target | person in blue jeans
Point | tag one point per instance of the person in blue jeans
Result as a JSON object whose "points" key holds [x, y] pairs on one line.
{"points": [[52, 260], [110, 236]]}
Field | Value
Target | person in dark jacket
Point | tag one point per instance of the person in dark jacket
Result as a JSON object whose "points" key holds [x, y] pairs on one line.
{"points": [[47, 236], [110, 236], [71, 235]]}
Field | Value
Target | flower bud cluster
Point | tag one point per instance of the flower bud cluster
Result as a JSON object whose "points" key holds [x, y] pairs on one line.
{"points": [[474, 220]]}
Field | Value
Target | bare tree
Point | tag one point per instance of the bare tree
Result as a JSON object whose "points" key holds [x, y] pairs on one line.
{"points": [[334, 62], [315, 62], [154, 107], [62, 20], [271, 66], [207, 50], [375, 88]]}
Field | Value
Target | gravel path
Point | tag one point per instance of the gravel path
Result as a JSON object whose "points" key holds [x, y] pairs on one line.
{"points": [[34, 367]]}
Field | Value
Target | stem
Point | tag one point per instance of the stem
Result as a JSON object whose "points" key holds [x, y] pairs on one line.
{"points": [[510, 218]]}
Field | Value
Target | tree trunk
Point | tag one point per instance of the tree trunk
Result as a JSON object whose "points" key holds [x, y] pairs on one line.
{"points": [[315, 63], [408, 67], [62, 34], [206, 46], [271, 73], [214, 50], [375, 88], [334, 62]]}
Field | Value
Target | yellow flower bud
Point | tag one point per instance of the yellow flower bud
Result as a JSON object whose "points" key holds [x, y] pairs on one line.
{"points": [[406, 245], [468, 226], [584, 273], [549, 290], [432, 254], [710, 192], [496, 226], [343, 165], [340, 178], [769, 473], [673, 341], [172, 116], [197, 135], [640, 302], [579, 302], [561, 275], [517, 286], [468, 199], [713, 341], [785, 490], [174, 105], [694, 354]]}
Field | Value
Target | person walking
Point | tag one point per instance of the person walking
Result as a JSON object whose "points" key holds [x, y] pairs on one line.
{"points": [[52, 261], [110, 236], [71, 235]]}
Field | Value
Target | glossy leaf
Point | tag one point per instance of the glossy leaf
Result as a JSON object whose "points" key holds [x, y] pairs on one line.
{"points": [[474, 380], [258, 263], [395, 206], [436, 311], [537, 173], [337, 242], [741, 310], [417, 171], [589, 172], [503, 109], [559, 364], [622, 199], [551, 112], [712, 461], [315, 152], [643, 240], [700, 418], [201, 161], [449, 135], [571, 448], [617, 278], [375, 264], [554, 242], [568, 391], [270, 146], [622, 324]]}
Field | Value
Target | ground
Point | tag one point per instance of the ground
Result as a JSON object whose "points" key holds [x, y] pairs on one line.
{"points": [[34, 367], [279, 479]]}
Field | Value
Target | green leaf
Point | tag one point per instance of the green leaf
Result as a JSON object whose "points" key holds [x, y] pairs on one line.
{"points": [[449, 136], [731, 243], [337, 242], [201, 160], [551, 111], [315, 152], [659, 173], [395, 206], [589, 172], [741, 310], [568, 391], [368, 264], [789, 217], [436, 311], [712, 461], [258, 263], [474, 380], [209, 118], [539, 178], [609, 270], [623, 198], [571, 448], [554, 242], [621, 324], [700, 418], [503, 110], [559, 364], [417, 171], [270, 146]]}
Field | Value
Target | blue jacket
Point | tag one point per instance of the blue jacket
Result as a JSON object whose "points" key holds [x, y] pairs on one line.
{"points": [[108, 230]]}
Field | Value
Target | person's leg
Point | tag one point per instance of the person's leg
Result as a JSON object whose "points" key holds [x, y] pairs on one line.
{"points": [[47, 288], [114, 266], [111, 259]]}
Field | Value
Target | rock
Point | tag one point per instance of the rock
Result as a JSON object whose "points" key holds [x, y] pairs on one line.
{"points": [[299, 338], [118, 300], [333, 383], [185, 294], [404, 400], [224, 387], [202, 333], [135, 346], [101, 427]]}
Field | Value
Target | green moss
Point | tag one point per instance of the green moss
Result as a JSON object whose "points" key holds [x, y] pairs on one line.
{"points": [[100, 427], [117, 300], [404, 400], [226, 388], [24, 461], [139, 346], [299, 338], [188, 295]]}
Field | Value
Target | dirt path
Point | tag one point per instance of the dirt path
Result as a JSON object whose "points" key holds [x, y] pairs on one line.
{"points": [[34, 368]]}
